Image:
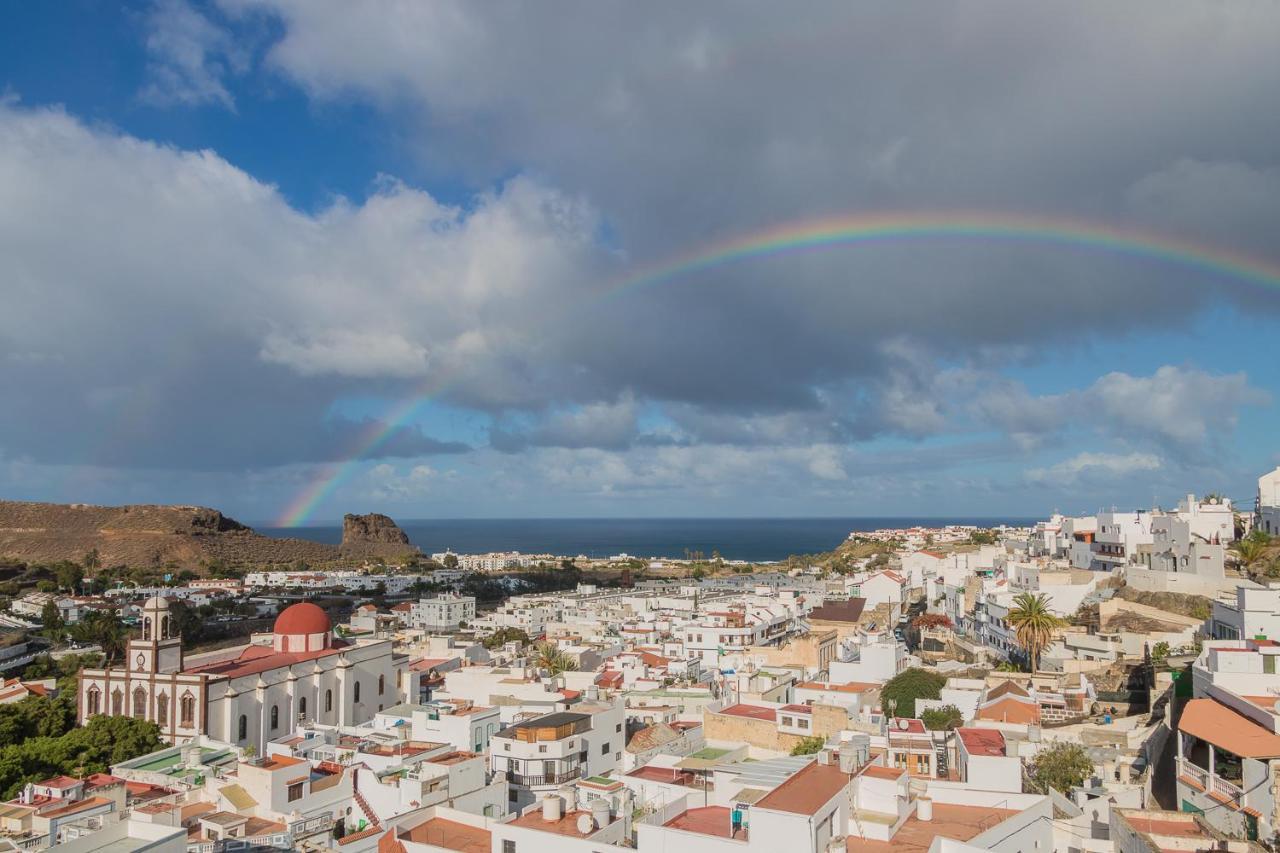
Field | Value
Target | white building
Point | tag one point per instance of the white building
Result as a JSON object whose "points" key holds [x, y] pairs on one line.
{"points": [[544, 752], [248, 695], [1268, 520], [445, 612], [1254, 615]]}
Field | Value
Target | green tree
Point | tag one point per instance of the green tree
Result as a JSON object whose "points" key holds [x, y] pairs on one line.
{"points": [[1160, 652], [450, 560], [502, 636], [106, 630], [91, 561], [1061, 766], [51, 622], [69, 575], [902, 691], [1251, 548], [547, 656], [809, 745], [942, 719], [1033, 624]]}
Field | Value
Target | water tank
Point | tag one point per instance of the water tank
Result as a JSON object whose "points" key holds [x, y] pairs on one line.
{"points": [[859, 747], [600, 811], [551, 808], [924, 809]]}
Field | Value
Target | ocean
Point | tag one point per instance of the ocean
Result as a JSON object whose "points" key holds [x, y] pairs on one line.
{"points": [[759, 539]]}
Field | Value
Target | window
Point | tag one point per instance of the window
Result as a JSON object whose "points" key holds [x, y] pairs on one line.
{"points": [[188, 709], [542, 747], [1269, 664], [139, 703], [604, 748], [802, 722], [508, 846], [146, 628], [302, 706], [242, 731], [162, 710], [618, 727], [382, 683], [117, 703], [506, 747], [787, 721], [275, 717], [295, 791], [164, 627], [95, 701], [328, 701], [284, 643], [355, 694]]}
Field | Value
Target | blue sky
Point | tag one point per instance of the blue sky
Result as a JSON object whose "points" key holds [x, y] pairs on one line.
{"points": [[241, 233]]}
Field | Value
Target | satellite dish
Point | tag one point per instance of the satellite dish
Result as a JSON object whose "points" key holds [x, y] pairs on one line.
{"points": [[585, 824]]}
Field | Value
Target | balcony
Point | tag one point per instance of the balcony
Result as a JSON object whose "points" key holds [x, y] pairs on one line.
{"points": [[528, 781], [1208, 782]]}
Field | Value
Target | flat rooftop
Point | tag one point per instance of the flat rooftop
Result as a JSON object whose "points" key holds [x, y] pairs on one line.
{"points": [[450, 835], [708, 820], [961, 823], [566, 824]]}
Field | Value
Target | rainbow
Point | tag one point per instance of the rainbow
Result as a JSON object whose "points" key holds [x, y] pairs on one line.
{"points": [[840, 232]]}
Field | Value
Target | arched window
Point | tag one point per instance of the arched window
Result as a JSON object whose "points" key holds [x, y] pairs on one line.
{"points": [[146, 628], [139, 702], [302, 706], [164, 627], [355, 694], [328, 701], [162, 710], [95, 701], [382, 683], [284, 643], [117, 703], [188, 709], [275, 717], [243, 731]]}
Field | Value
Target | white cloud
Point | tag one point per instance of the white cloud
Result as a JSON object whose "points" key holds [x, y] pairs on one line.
{"points": [[1107, 467], [189, 57]]}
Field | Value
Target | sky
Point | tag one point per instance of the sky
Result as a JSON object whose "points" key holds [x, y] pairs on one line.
{"points": [[297, 258]]}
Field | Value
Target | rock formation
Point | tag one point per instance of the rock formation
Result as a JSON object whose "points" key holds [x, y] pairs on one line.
{"points": [[184, 536]]}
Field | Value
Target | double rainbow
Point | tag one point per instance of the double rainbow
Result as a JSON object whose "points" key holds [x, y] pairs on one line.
{"points": [[832, 233]]}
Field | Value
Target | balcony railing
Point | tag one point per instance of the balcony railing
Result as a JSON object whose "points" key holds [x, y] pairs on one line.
{"points": [[535, 781], [1211, 783]]}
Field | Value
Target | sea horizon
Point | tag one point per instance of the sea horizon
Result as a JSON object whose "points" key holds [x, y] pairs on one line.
{"points": [[757, 538]]}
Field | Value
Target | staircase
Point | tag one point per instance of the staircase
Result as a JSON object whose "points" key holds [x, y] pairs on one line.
{"points": [[369, 813]]}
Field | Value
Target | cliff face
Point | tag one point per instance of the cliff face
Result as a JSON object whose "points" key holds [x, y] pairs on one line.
{"points": [[374, 528], [188, 536]]}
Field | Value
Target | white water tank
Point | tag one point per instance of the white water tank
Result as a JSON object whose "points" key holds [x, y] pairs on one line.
{"points": [[551, 808], [924, 809], [600, 811]]}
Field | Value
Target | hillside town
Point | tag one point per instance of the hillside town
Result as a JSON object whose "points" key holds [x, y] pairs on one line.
{"points": [[1090, 683]]}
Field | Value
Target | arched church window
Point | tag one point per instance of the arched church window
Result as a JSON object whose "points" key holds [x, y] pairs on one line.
{"points": [[275, 717], [162, 709], [355, 695], [146, 628], [243, 731], [302, 706], [139, 702], [187, 707], [117, 703], [95, 701], [328, 701]]}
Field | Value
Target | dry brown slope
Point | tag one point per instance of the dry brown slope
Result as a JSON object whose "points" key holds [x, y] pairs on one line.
{"points": [[156, 535]]}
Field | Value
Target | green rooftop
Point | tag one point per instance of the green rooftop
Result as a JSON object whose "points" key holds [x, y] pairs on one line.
{"points": [[710, 753]]}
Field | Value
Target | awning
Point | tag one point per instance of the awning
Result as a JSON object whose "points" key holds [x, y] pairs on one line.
{"points": [[1219, 725]]}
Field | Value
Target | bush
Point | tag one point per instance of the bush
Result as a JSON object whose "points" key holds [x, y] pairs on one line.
{"points": [[905, 688], [942, 719], [1062, 766], [809, 745]]}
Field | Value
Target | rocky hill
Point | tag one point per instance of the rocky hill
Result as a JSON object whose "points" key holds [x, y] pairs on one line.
{"points": [[188, 536]]}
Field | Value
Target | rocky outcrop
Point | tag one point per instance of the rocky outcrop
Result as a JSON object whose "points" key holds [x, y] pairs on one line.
{"points": [[183, 536], [371, 529]]}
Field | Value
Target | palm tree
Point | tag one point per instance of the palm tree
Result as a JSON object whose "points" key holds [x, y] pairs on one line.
{"points": [[547, 656], [105, 629], [1033, 624], [1249, 549]]}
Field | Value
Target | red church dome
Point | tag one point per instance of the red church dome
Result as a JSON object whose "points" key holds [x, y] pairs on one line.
{"points": [[302, 627]]}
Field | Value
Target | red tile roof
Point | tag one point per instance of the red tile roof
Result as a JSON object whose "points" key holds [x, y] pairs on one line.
{"points": [[754, 712], [1229, 730], [987, 742]]}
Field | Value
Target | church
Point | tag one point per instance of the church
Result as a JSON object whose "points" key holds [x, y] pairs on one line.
{"points": [[247, 695]]}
